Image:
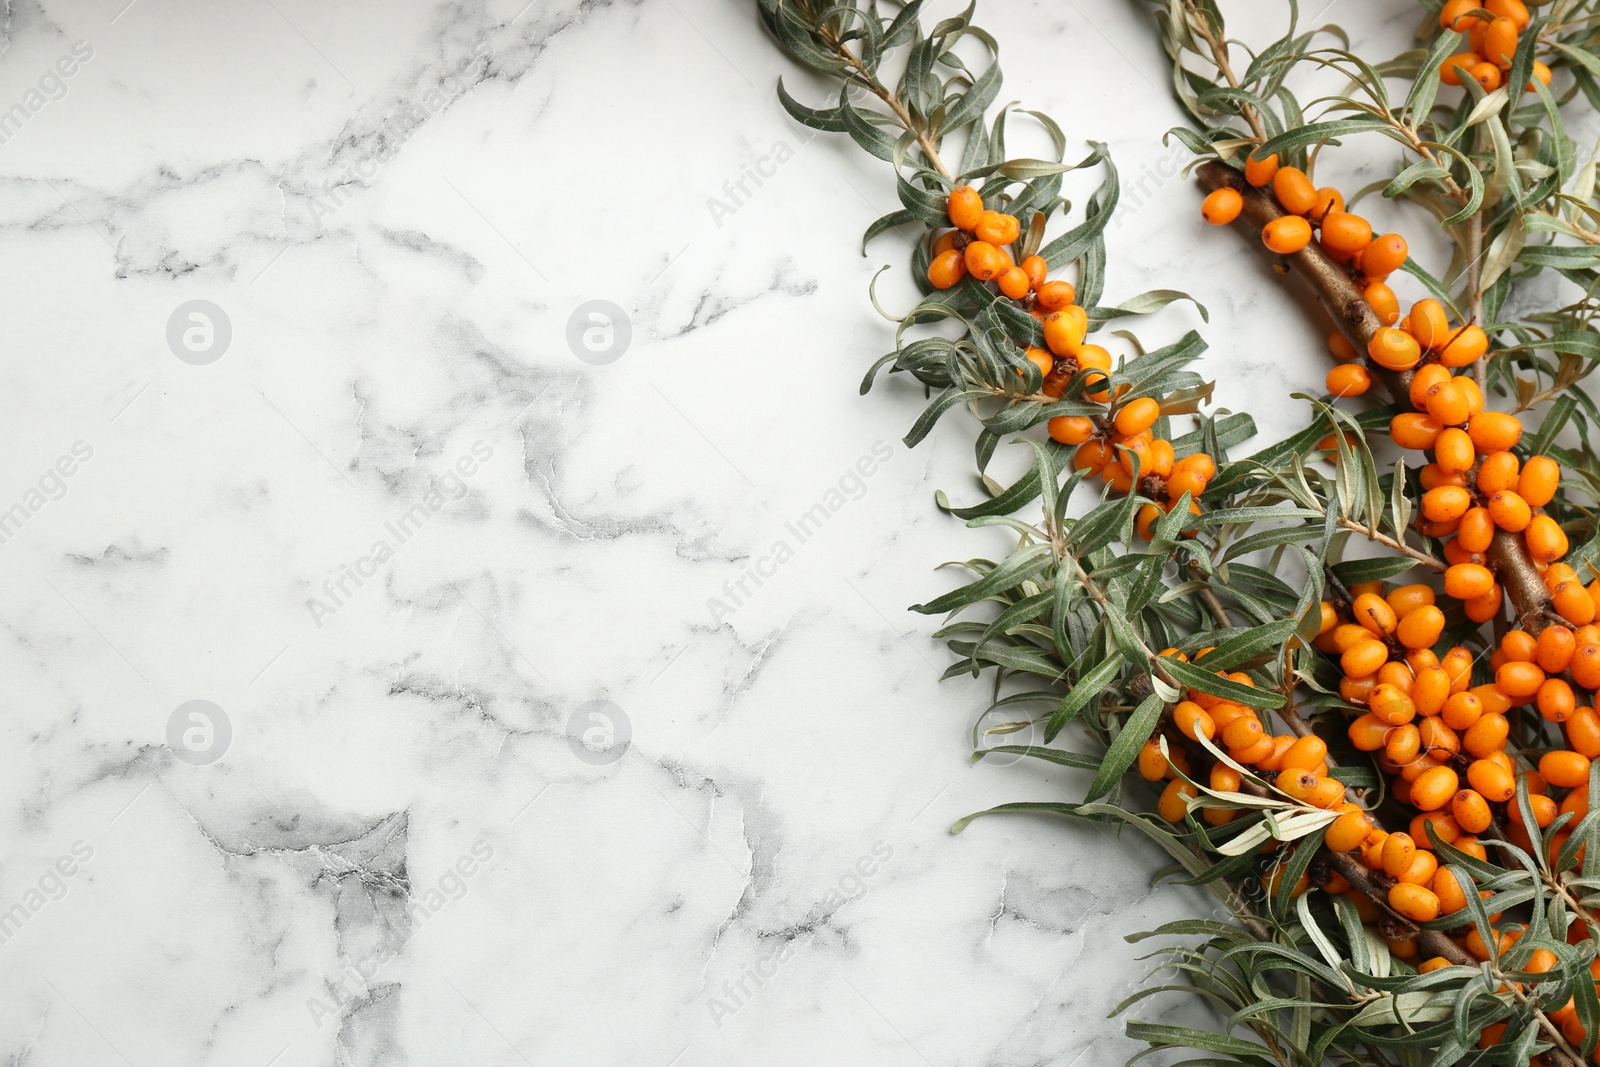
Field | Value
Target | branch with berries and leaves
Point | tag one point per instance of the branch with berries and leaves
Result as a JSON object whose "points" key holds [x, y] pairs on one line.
{"points": [[1362, 695]]}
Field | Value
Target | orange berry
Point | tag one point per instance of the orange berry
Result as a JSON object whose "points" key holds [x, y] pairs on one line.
{"points": [[1500, 42], [1545, 538], [1541, 74], [1368, 732], [1421, 628], [1446, 503], [1583, 732], [1540, 478], [1467, 580], [1476, 531], [1193, 721], [1136, 416], [1383, 302], [1364, 658], [1486, 735], [1294, 190], [1555, 649], [984, 260], [1341, 349], [1492, 781], [1374, 614], [1414, 430], [1464, 347], [1398, 851], [1494, 431], [1036, 269], [1013, 282], [1348, 831], [1573, 603], [1222, 206], [1434, 475], [1453, 68], [1394, 348], [1152, 765], [997, 228], [1461, 710], [1471, 811], [1423, 380], [1093, 455], [1485, 74], [1429, 325], [1063, 331], [1415, 902], [1329, 200], [965, 207], [1457, 14], [1542, 807], [1055, 296], [1439, 740], [1509, 511], [1433, 788], [1391, 704], [1383, 256], [1173, 804], [1585, 666], [1519, 679], [1446, 403], [1309, 752], [1286, 234], [1431, 691], [1344, 232], [1515, 10], [1070, 429], [947, 269], [1564, 768], [1041, 359], [1090, 357], [1349, 379], [1481, 609], [1259, 172], [1499, 471]]}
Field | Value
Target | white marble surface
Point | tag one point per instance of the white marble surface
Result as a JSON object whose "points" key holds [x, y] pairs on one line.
{"points": [[398, 857]]}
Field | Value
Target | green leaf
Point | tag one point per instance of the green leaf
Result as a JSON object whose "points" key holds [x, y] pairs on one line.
{"points": [[1125, 749], [1248, 645], [1017, 568], [1375, 569], [828, 120], [1088, 688], [1061, 758], [1315, 132], [1197, 678], [1161, 1035]]}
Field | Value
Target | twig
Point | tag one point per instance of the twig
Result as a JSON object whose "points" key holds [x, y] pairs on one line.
{"points": [[882, 92]]}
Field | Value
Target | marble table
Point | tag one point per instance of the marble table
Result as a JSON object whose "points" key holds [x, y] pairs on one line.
{"points": [[455, 597]]}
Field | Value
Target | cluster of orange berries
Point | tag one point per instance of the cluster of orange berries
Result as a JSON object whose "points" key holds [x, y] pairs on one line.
{"points": [[1299, 763], [1400, 344], [1344, 236], [1476, 485], [1119, 446], [1491, 42], [981, 245], [1443, 740], [1122, 449]]}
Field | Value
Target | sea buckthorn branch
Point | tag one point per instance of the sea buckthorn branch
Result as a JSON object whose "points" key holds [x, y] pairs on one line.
{"points": [[1026, 356], [1081, 602], [1428, 768], [1364, 331]]}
